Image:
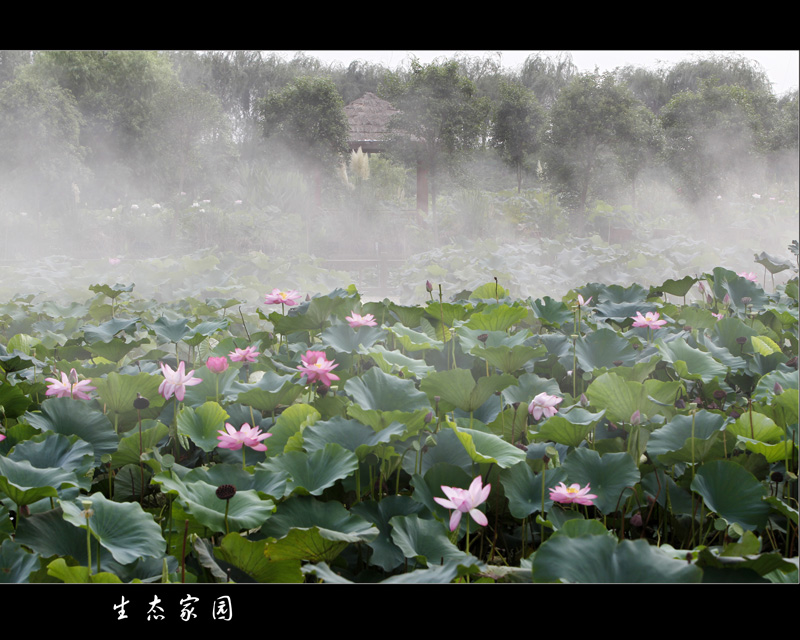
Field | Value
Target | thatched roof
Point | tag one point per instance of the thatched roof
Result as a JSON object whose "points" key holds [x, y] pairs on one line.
{"points": [[369, 118]]}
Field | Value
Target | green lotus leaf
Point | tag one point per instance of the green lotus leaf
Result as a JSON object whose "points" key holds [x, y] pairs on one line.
{"points": [[612, 476], [677, 288], [673, 442], [118, 392], [487, 447], [133, 445], [509, 360], [315, 531], [203, 330], [251, 558], [14, 361], [121, 527], [690, 363], [56, 451], [271, 391], [733, 493], [602, 348], [211, 384], [449, 312], [449, 450], [621, 398], [107, 331], [79, 575], [111, 291], [74, 417], [13, 401], [289, 425], [349, 434], [472, 338], [457, 387], [16, 564], [385, 553], [756, 426], [552, 312], [203, 424], [523, 488], [528, 386], [776, 452], [412, 340], [272, 484], [497, 318], [773, 265], [560, 428], [427, 541], [313, 472], [313, 315], [600, 559], [345, 339], [115, 349], [393, 361], [170, 330], [25, 484], [380, 391], [246, 510], [489, 291]]}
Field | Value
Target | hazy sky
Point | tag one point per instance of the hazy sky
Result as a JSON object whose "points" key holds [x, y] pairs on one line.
{"points": [[781, 65]]}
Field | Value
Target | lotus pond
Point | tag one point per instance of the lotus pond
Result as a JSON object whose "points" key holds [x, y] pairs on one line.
{"points": [[615, 434]]}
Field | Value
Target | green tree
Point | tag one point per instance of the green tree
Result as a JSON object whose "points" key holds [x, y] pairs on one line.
{"points": [[715, 138], [40, 137], [190, 140], [439, 118], [518, 129], [592, 119], [308, 117], [546, 76], [114, 92]]}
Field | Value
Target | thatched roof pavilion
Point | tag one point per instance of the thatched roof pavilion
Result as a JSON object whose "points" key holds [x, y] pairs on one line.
{"points": [[369, 118]]}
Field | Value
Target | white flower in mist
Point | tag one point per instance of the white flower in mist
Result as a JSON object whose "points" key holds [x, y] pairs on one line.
{"points": [[205, 201], [237, 202], [23, 213], [134, 207], [156, 206], [756, 196], [195, 205], [719, 197]]}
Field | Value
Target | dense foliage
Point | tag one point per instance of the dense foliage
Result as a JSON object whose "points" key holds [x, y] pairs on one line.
{"points": [[483, 437]]}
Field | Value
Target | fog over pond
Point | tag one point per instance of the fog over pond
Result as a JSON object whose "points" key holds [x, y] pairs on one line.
{"points": [[227, 174]]}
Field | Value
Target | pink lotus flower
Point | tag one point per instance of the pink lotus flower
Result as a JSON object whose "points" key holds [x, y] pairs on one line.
{"points": [[317, 368], [69, 387], [582, 302], [217, 365], [718, 316], [243, 355], [247, 436], [752, 277], [2, 437], [544, 405], [114, 261], [650, 320], [357, 321], [466, 501], [288, 298], [572, 494], [175, 382]]}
